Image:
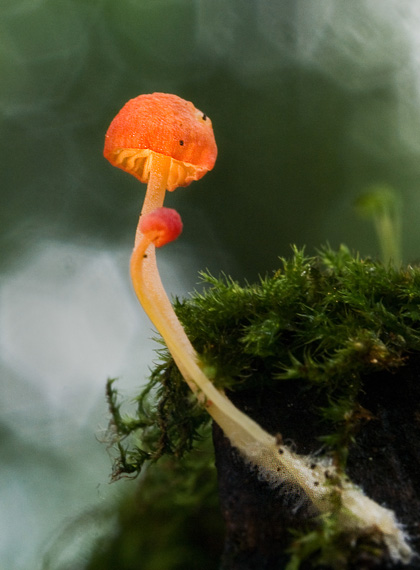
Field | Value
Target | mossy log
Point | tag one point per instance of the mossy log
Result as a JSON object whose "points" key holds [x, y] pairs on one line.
{"points": [[324, 354], [384, 460]]}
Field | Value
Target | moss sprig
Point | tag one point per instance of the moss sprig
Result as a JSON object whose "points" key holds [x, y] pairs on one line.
{"points": [[168, 421], [323, 546]]}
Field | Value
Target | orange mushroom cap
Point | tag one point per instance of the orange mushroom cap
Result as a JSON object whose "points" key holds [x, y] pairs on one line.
{"points": [[165, 124], [162, 226]]}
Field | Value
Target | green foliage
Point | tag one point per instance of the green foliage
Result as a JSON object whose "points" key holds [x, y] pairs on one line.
{"points": [[326, 320], [173, 521], [168, 421], [168, 520], [325, 547]]}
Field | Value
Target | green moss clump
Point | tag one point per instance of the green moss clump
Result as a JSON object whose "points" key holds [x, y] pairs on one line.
{"points": [[325, 321]]}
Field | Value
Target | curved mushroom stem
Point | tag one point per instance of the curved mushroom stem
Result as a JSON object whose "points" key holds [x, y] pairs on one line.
{"points": [[156, 187], [152, 296], [356, 512]]}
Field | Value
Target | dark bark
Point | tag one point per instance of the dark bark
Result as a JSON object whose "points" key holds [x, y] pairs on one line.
{"points": [[384, 461]]}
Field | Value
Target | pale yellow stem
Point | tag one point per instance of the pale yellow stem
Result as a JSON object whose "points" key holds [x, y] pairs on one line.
{"points": [[152, 296], [159, 166], [258, 446]]}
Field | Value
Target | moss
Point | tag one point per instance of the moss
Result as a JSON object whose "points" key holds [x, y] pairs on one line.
{"points": [[324, 322], [171, 523], [322, 546]]}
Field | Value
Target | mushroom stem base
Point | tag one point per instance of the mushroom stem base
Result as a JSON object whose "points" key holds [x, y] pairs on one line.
{"points": [[384, 461]]}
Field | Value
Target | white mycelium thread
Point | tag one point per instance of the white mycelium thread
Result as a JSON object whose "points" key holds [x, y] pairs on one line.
{"points": [[330, 491]]}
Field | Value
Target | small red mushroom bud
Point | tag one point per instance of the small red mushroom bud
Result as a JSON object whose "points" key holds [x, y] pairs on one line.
{"points": [[161, 226]]}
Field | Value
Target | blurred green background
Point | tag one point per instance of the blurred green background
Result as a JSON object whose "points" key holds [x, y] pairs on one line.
{"points": [[311, 103]]}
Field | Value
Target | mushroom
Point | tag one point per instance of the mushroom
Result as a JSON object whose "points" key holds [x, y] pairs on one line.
{"points": [[148, 139], [142, 140], [163, 141], [166, 142]]}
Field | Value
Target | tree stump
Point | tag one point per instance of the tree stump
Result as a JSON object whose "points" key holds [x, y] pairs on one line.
{"points": [[384, 461]]}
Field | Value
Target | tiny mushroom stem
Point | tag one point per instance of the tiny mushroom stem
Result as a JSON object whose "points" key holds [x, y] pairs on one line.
{"points": [[158, 228]]}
